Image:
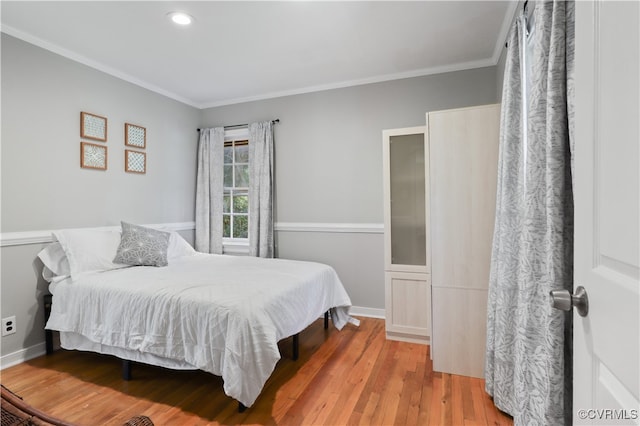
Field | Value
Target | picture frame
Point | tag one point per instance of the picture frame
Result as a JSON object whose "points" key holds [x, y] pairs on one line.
{"points": [[93, 156], [93, 127], [135, 161], [135, 136]]}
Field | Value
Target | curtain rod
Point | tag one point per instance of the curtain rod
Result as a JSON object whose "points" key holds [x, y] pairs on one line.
{"points": [[277, 120], [524, 9]]}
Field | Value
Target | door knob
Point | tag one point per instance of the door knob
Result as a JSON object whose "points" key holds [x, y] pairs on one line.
{"points": [[563, 300]]}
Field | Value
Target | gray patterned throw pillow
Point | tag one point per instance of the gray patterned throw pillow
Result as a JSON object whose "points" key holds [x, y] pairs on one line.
{"points": [[140, 246]]}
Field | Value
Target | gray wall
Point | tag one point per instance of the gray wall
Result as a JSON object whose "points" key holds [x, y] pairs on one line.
{"points": [[328, 155], [329, 163], [43, 186]]}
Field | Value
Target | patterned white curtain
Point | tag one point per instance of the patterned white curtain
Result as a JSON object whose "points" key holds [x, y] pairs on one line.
{"points": [[528, 362], [209, 191], [261, 177]]}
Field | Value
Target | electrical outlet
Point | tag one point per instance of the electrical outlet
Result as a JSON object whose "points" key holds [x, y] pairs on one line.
{"points": [[8, 325]]}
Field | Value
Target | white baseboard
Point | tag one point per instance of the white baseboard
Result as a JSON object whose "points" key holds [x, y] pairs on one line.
{"points": [[401, 337], [22, 355], [361, 311]]}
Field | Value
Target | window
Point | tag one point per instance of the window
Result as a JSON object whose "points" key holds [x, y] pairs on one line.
{"points": [[235, 213]]}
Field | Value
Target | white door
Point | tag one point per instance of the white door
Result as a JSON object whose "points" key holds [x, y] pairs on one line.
{"points": [[606, 363]]}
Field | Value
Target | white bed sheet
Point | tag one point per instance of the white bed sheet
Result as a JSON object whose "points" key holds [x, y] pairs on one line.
{"points": [[221, 314]]}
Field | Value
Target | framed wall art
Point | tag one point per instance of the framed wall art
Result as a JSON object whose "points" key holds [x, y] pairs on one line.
{"points": [[135, 161], [93, 156], [135, 136], [93, 126]]}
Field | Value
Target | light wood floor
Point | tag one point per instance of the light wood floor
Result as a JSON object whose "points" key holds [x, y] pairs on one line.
{"points": [[350, 377]]}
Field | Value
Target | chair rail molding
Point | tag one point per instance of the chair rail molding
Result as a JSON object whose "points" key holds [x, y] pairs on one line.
{"points": [[46, 236], [352, 228]]}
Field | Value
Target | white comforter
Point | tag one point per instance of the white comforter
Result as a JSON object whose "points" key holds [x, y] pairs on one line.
{"points": [[220, 314]]}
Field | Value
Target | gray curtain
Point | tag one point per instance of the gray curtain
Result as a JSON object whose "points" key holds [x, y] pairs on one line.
{"points": [[209, 191], [261, 175], [528, 360]]}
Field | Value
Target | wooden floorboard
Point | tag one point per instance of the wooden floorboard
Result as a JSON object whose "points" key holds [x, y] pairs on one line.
{"points": [[349, 377]]}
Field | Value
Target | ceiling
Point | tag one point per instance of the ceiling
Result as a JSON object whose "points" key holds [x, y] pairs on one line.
{"points": [[242, 51]]}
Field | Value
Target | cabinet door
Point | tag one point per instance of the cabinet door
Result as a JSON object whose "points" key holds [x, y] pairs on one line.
{"points": [[464, 158], [408, 302], [406, 183], [464, 171]]}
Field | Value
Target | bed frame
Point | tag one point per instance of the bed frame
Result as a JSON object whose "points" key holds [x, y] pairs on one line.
{"points": [[126, 364]]}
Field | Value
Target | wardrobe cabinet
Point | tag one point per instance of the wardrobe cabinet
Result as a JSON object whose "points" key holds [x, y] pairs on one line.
{"points": [[406, 235], [463, 179], [439, 210]]}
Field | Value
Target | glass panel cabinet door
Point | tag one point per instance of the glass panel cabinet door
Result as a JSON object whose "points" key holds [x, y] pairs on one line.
{"points": [[407, 199]]}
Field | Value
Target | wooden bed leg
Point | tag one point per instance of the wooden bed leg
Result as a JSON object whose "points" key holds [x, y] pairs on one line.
{"points": [[126, 369], [48, 334], [296, 346], [48, 341], [241, 407], [326, 320]]}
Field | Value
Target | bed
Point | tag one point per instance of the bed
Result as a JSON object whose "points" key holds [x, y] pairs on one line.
{"points": [[217, 313]]}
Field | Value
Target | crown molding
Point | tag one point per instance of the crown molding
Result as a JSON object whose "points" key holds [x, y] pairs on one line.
{"points": [[358, 82], [52, 47]]}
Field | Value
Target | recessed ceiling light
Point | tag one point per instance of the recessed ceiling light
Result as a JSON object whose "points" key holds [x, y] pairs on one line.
{"points": [[180, 18]]}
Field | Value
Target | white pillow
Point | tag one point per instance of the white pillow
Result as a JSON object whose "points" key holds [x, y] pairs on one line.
{"points": [[178, 247], [89, 250], [55, 262]]}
